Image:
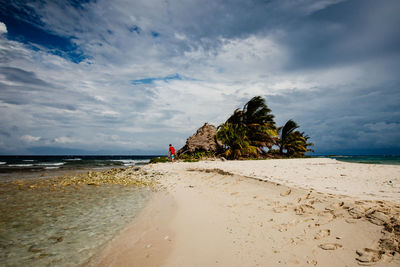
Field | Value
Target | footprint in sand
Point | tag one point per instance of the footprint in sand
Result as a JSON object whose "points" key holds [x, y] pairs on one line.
{"points": [[350, 220], [330, 246], [378, 218], [322, 233], [368, 255], [357, 212], [279, 209], [303, 209], [308, 195], [324, 220], [313, 262], [335, 206], [286, 193]]}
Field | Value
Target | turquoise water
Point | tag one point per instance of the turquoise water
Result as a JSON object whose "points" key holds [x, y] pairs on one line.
{"points": [[390, 160], [65, 227]]}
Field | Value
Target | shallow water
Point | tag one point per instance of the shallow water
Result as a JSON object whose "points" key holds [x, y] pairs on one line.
{"points": [[63, 227], [379, 159]]}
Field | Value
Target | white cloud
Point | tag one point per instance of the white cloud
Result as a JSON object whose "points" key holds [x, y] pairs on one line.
{"points": [[29, 138], [109, 113], [64, 140], [3, 28], [313, 6]]}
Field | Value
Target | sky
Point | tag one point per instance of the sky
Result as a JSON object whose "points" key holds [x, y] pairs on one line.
{"points": [[131, 77]]}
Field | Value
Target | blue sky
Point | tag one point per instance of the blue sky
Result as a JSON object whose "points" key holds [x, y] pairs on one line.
{"points": [[131, 77]]}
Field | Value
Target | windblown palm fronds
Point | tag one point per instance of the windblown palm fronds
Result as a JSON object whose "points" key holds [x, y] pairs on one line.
{"points": [[294, 142], [255, 124], [235, 140], [249, 130]]}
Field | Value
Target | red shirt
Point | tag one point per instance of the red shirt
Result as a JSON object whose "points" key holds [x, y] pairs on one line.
{"points": [[171, 150]]}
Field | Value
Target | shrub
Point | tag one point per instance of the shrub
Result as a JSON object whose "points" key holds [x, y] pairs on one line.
{"points": [[197, 155], [159, 160]]}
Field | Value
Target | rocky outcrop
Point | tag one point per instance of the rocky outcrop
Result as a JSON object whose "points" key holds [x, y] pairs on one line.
{"points": [[203, 140]]}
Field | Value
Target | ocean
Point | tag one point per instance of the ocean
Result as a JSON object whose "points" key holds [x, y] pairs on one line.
{"points": [[32, 163], [369, 159], [64, 227], [32, 167]]}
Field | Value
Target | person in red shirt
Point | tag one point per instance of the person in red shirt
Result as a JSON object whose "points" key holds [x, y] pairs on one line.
{"points": [[171, 152]]}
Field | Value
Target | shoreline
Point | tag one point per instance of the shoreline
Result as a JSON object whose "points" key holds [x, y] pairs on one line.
{"points": [[141, 239], [220, 217]]}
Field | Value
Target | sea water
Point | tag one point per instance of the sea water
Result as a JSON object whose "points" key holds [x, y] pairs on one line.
{"points": [[64, 227], [39, 163], [370, 159], [35, 167], [39, 227]]}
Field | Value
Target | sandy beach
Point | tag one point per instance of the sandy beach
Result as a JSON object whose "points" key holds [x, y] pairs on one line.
{"points": [[292, 212]]}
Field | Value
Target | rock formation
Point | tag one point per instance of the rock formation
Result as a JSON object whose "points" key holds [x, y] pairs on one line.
{"points": [[203, 140]]}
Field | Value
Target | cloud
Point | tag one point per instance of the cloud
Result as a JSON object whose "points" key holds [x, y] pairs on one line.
{"points": [[64, 140], [3, 28], [29, 138], [344, 33], [15, 76], [25, 26], [152, 72]]}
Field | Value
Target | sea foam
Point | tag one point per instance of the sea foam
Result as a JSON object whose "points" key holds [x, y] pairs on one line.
{"points": [[51, 164]]}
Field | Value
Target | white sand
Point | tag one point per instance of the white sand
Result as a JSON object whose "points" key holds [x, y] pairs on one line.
{"points": [[231, 220], [366, 181]]}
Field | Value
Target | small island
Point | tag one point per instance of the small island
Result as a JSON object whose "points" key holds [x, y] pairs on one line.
{"points": [[249, 133]]}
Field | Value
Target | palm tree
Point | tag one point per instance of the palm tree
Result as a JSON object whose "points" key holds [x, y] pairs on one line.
{"points": [[294, 142], [235, 140], [256, 112], [258, 122], [285, 132], [247, 131]]}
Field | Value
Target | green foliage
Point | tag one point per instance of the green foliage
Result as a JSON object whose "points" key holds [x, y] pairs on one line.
{"points": [[247, 131], [294, 142], [197, 155], [254, 112], [191, 160], [159, 160], [285, 133], [236, 141], [203, 154]]}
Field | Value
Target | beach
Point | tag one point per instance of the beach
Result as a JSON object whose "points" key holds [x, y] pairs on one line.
{"points": [[286, 212]]}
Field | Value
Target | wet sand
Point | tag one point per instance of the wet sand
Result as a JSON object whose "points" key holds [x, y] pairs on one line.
{"points": [[302, 212], [146, 241]]}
